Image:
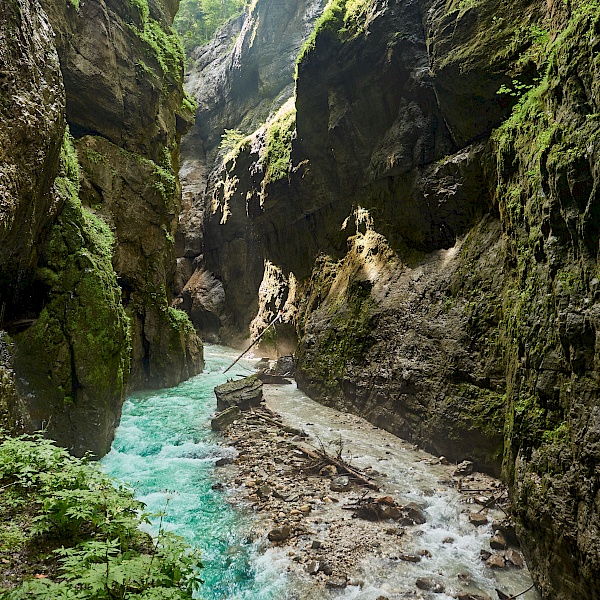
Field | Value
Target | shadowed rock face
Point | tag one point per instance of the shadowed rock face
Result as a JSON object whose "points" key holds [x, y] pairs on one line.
{"points": [[32, 102], [88, 307], [435, 244], [238, 79]]}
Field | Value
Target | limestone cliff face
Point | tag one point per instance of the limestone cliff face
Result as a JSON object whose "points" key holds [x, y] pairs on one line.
{"points": [[426, 215], [89, 214], [242, 76]]}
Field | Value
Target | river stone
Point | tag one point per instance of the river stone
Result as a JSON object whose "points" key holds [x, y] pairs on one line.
{"points": [[415, 513], [328, 471], [514, 557], [336, 583], [507, 528], [413, 558], [464, 468], [280, 534], [496, 561], [430, 585], [478, 519], [340, 484], [264, 491], [224, 419], [390, 512], [313, 567], [498, 542]]}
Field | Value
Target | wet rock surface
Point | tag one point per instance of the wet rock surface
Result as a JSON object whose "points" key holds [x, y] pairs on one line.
{"points": [[243, 393]]}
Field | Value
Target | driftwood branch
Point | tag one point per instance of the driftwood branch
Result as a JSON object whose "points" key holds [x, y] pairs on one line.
{"points": [[504, 596], [341, 465], [278, 423]]}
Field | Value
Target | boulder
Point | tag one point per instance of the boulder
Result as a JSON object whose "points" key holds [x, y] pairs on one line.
{"points": [[463, 468], [415, 513], [223, 420], [478, 519], [498, 542], [515, 558], [243, 393], [507, 528], [496, 561]]}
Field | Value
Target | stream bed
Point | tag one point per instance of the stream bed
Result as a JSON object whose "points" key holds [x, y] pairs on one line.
{"points": [[164, 449]]}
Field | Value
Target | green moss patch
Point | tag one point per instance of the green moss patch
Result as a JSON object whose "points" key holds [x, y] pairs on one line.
{"points": [[163, 45], [80, 343], [280, 133]]}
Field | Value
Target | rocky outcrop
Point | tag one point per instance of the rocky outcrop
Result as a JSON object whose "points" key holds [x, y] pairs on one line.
{"points": [[427, 216], [139, 199], [243, 393], [88, 224]]}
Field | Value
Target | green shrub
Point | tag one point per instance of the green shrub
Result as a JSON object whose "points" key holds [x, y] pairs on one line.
{"points": [[91, 527]]}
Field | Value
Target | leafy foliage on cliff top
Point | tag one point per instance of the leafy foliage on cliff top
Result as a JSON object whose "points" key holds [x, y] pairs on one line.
{"points": [[70, 532], [198, 20], [341, 18], [164, 45]]}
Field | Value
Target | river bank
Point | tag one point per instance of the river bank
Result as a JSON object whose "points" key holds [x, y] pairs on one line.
{"points": [[428, 529]]}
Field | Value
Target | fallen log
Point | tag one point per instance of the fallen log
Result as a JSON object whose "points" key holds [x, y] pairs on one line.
{"points": [[280, 424], [273, 379], [342, 466]]}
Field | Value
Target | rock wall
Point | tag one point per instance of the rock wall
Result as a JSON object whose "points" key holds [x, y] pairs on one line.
{"points": [[239, 79], [89, 214], [426, 214]]}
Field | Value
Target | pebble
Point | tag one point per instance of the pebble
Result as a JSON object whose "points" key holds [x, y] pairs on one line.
{"points": [[340, 484], [496, 561], [280, 534], [413, 558], [478, 519], [313, 567]]}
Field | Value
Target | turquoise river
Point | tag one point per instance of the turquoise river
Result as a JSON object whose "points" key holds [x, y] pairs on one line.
{"points": [[165, 450]]}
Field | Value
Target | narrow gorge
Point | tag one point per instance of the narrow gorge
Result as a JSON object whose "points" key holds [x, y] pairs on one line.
{"points": [[408, 188]]}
